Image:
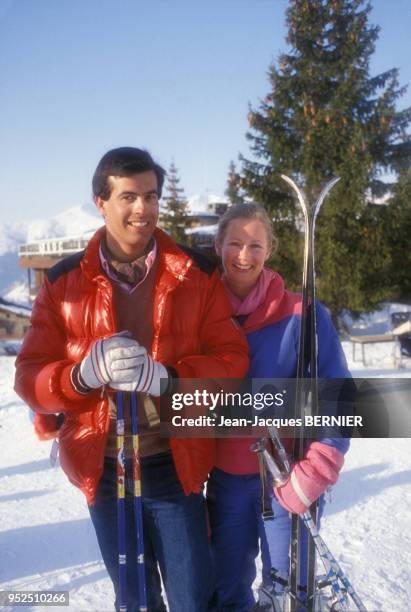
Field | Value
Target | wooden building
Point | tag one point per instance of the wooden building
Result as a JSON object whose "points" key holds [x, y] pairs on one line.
{"points": [[40, 255], [14, 320]]}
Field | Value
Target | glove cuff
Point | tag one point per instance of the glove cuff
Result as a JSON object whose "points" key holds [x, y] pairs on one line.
{"points": [[172, 383], [77, 380]]}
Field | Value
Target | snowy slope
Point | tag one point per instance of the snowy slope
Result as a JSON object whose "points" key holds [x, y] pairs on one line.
{"points": [[47, 542], [17, 292], [46, 538], [71, 222]]}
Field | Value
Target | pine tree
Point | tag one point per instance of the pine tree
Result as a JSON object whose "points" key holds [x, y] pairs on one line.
{"points": [[233, 185], [398, 223], [175, 211], [326, 116]]}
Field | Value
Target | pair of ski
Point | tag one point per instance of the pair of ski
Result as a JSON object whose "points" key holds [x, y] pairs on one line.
{"points": [[306, 404]]}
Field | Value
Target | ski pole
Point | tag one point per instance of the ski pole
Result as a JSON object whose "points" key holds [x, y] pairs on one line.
{"points": [[333, 568], [138, 509], [121, 509], [330, 563], [278, 471]]}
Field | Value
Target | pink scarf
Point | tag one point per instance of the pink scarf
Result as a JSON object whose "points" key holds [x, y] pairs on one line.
{"points": [[256, 296]]}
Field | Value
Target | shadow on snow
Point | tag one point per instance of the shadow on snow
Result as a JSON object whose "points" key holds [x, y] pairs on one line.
{"points": [[359, 484], [41, 549], [26, 468]]}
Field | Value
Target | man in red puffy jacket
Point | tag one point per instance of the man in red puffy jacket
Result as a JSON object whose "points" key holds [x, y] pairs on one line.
{"points": [[133, 309]]}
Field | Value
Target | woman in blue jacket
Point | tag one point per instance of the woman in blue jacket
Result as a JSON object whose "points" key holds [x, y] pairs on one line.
{"points": [[270, 317]]}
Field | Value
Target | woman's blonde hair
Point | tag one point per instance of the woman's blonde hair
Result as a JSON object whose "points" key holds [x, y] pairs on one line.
{"points": [[246, 210]]}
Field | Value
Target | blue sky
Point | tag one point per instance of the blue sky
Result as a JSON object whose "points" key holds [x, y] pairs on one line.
{"points": [[78, 77]]}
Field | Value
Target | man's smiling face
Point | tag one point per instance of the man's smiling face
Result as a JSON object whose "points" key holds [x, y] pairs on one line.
{"points": [[130, 214]]}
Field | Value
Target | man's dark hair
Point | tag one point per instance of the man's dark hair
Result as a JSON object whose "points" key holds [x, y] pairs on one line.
{"points": [[124, 161]]}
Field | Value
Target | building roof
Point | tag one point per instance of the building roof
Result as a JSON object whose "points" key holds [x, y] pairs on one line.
{"points": [[18, 309], [203, 229]]}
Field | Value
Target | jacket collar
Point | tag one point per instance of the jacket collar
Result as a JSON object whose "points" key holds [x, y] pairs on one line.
{"points": [[171, 258], [268, 310]]}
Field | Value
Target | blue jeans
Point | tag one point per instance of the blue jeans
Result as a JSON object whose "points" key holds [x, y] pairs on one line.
{"points": [[175, 537], [238, 533], [234, 504]]}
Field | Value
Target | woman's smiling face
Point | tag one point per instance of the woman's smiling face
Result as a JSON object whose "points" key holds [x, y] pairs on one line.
{"points": [[244, 249]]}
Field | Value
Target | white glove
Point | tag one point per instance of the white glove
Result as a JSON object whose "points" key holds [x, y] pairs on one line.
{"points": [[114, 359], [147, 376]]}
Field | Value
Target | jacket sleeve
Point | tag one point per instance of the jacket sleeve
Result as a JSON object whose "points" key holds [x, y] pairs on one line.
{"points": [[223, 346], [42, 368], [337, 389]]}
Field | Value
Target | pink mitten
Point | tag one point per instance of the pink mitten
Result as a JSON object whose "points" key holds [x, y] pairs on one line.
{"points": [[310, 477]]}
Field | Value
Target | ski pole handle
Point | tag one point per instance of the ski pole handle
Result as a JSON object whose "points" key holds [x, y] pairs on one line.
{"points": [[278, 472], [282, 456]]}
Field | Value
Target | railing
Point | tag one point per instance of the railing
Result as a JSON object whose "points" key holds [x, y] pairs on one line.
{"points": [[203, 236], [53, 246]]}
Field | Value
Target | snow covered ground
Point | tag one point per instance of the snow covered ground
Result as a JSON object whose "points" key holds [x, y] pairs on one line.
{"points": [[47, 542]]}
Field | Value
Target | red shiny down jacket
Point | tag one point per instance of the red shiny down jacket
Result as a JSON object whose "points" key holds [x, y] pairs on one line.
{"points": [[193, 332]]}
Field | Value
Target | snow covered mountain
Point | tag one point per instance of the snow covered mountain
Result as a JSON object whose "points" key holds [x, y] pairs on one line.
{"points": [[71, 222]]}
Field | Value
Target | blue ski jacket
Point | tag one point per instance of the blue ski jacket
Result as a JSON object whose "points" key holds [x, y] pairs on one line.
{"points": [[272, 331]]}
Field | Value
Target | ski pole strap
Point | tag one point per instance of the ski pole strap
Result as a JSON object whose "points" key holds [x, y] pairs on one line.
{"points": [[275, 577], [299, 492], [267, 511]]}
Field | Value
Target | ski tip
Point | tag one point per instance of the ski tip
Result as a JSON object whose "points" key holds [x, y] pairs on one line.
{"points": [[333, 182]]}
